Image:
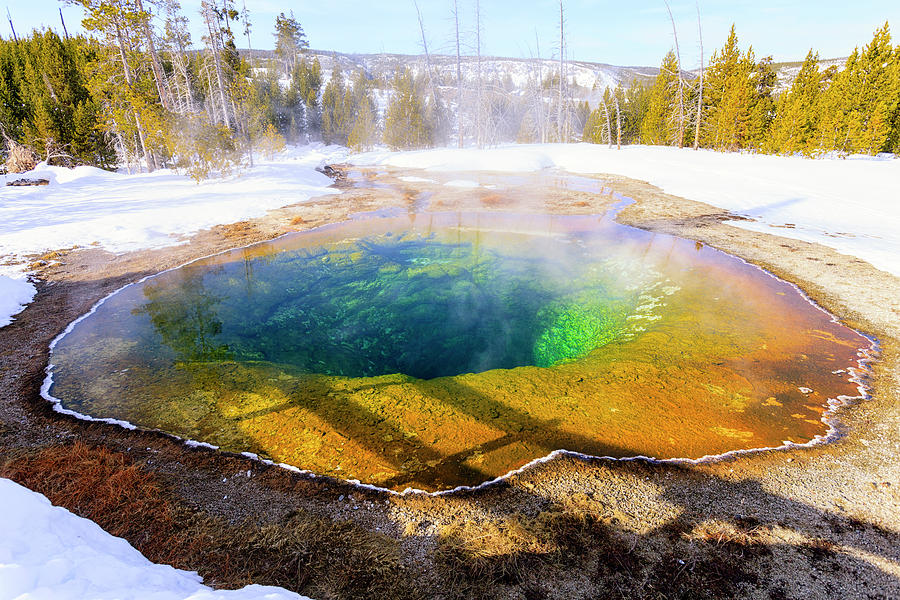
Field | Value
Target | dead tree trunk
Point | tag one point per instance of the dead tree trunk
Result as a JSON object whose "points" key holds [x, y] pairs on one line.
{"points": [[680, 93], [159, 76], [428, 69], [459, 98], [479, 116], [699, 115], [618, 126], [11, 27], [539, 92], [608, 125], [63, 21], [562, 134], [212, 24], [129, 81]]}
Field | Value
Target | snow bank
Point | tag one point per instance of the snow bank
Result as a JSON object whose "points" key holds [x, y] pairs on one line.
{"points": [[15, 294], [47, 552], [847, 204], [122, 212]]}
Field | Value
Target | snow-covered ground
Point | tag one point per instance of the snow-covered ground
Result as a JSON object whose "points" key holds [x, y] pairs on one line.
{"points": [[46, 552], [121, 212], [851, 205], [15, 294], [88, 206]]}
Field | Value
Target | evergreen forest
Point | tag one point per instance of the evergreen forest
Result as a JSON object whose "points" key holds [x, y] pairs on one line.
{"points": [[139, 93]]}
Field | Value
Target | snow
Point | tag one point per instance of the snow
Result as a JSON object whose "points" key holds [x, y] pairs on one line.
{"points": [[15, 294], [46, 552], [120, 212], [849, 204], [462, 183]]}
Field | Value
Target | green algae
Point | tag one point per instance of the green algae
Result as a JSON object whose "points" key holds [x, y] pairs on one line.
{"points": [[412, 304]]}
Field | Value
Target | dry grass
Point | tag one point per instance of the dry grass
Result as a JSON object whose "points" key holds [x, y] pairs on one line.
{"points": [[475, 558], [100, 485], [20, 158], [745, 533], [303, 553]]}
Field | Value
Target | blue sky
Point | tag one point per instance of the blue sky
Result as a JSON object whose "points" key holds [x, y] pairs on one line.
{"points": [[616, 32]]}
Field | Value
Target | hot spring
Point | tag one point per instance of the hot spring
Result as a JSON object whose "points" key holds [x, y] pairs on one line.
{"points": [[431, 350]]}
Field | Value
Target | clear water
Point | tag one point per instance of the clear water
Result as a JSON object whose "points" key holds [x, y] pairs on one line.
{"points": [[438, 349]]}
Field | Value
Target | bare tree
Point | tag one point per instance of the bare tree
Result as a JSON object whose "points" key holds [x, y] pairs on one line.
{"points": [[63, 21], [459, 98], [428, 68], [699, 115], [618, 125], [177, 40], [561, 124], [245, 20], [479, 99], [211, 16], [159, 76], [679, 98], [539, 93], [11, 26], [608, 125]]}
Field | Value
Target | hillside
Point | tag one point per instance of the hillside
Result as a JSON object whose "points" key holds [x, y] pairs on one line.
{"points": [[590, 76]]}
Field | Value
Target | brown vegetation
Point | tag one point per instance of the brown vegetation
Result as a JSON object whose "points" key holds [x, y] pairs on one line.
{"points": [[299, 553], [19, 158]]}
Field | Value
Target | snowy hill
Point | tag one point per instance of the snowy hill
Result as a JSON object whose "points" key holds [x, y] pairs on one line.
{"points": [[591, 77], [588, 75]]}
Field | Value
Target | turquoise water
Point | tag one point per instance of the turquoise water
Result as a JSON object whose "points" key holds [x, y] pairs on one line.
{"points": [[417, 303]]}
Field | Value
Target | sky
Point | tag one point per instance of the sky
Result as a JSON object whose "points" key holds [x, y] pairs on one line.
{"points": [[630, 33]]}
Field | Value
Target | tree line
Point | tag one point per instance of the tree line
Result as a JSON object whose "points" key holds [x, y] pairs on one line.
{"points": [[855, 109], [138, 93]]}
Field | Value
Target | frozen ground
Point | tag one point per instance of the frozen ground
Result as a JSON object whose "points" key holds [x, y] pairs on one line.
{"points": [[49, 553], [120, 212], [851, 205], [15, 294]]}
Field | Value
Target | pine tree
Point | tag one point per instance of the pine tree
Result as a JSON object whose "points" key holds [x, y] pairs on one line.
{"points": [[858, 112], [365, 129], [796, 121], [364, 132], [290, 42], [306, 82], [737, 99], [656, 126], [337, 107], [594, 127], [405, 126], [728, 98], [129, 96], [762, 102]]}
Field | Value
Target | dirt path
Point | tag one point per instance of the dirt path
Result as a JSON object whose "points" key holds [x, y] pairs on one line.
{"points": [[819, 522]]}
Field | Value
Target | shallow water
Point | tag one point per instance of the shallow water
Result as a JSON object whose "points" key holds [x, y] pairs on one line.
{"points": [[439, 349]]}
